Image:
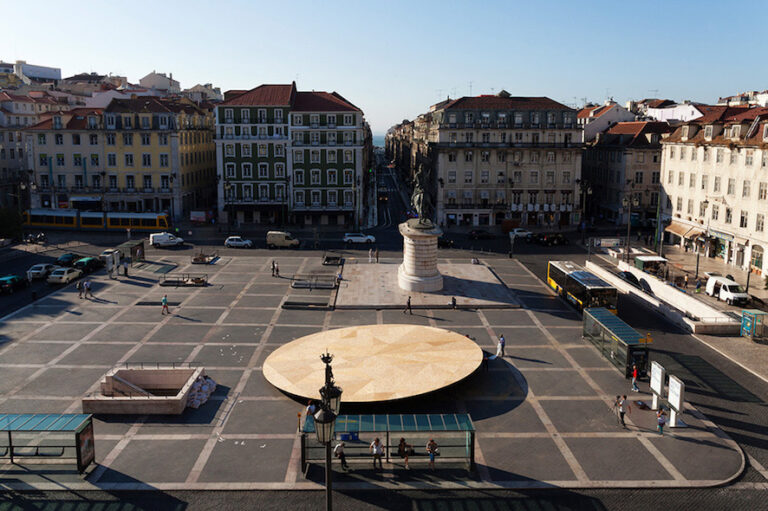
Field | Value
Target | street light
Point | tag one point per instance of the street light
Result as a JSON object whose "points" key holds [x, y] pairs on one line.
{"points": [[325, 421], [627, 203], [586, 190]]}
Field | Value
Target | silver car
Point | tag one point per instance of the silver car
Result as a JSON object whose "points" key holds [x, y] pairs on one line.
{"points": [[40, 271], [63, 275], [238, 241]]}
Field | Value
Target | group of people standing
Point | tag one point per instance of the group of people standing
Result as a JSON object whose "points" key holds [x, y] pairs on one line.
{"points": [[404, 450]]}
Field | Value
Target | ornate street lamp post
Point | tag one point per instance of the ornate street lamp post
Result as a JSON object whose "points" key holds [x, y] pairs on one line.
{"points": [[628, 203], [325, 421]]}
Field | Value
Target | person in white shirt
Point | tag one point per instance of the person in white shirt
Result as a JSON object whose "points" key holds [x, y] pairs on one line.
{"points": [[378, 450], [338, 451]]}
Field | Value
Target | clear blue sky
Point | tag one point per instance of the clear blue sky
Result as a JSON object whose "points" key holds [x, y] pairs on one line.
{"points": [[393, 59]]}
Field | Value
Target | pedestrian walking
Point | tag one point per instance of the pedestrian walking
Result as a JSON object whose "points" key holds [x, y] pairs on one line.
{"points": [[125, 267], [86, 288], [273, 267], [378, 450], [338, 451], [404, 450], [502, 343], [698, 286], [634, 378], [311, 408], [660, 421], [453, 302], [164, 302], [432, 450], [624, 408], [408, 307], [79, 287], [370, 255], [686, 281], [615, 408], [376, 254], [277, 270]]}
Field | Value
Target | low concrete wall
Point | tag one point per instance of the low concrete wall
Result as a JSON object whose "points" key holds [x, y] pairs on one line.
{"points": [[148, 379], [679, 308]]}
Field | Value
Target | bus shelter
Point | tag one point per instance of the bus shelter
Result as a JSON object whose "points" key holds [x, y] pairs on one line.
{"points": [[35, 437], [617, 341], [453, 432]]}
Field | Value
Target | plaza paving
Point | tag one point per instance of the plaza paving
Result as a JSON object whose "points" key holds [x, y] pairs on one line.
{"points": [[543, 414]]}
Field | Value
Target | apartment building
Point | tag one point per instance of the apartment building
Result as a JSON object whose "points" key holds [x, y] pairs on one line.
{"points": [[624, 162], [497, 158], [595, 119], [141, 154], [285, 155], [715, 184], [18, 111]]}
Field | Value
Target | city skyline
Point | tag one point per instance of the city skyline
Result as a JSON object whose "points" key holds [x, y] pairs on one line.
{"points": [[395, 60]]}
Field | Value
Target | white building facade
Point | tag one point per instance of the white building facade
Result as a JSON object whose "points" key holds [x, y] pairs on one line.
{"points": [[715, 185]]}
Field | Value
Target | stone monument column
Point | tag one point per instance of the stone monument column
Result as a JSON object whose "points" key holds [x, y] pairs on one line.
{"points": [[419, 269]]}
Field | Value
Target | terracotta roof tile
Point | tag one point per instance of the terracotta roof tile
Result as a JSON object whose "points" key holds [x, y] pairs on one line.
{"points": [[264, 95], [508, 103], [322, 102]]}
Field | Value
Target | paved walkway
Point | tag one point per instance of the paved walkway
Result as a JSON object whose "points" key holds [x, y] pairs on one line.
{"points": [[543, 413]]}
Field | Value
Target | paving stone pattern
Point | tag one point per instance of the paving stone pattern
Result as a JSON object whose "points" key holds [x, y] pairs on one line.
{"points": [[543, 413]]}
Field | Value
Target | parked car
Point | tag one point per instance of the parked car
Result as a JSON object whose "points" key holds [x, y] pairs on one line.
{"points": [[237, 242], [630, 278], [277, 239], [165, 239], [11, 283], [444, 242], [479, 234], [519, 232], [88, 264], [67, 259], [40, 271], [63, 275], [358, 237], [557, 239], [726, 289]]}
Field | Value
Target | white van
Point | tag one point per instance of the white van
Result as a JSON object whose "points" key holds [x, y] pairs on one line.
{"points": [[164, 239], [726, 289], [281, 239]]}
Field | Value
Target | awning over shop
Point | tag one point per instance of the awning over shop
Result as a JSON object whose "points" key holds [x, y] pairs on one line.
{"points": [[677, 228], [741, 241], [694, 233]]}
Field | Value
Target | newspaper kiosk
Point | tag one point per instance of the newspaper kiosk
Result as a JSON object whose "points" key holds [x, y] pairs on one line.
{"points": [[617, 341]]}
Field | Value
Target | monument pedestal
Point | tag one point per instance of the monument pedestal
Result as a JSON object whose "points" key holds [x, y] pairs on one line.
{"points": [[419, 269]]}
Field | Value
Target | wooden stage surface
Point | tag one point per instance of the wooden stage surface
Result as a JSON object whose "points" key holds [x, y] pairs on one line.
{"points": [[374, 362]]}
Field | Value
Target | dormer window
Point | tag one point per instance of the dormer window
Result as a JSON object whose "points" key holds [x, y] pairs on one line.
{"points": [[127, 122], [145, 122], [765, 132], [110, 121], [57, 122], [708, 131], [163, 121], [735, 131], [92, 122], [685, 131]]}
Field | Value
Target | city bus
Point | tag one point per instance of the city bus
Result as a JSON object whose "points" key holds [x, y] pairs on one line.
{"points": [[579, 287], [73, 219]]}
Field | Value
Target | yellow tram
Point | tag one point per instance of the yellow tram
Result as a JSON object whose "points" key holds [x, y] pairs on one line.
{"points": [[72, 219]]}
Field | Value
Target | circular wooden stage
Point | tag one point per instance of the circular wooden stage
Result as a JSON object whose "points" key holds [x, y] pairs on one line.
{"points": [[374, 362]]}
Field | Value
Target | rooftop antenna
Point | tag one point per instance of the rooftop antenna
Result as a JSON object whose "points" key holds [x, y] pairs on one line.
{"points": [[439, 93], [470, 88], [584, 99], [654, 92]]}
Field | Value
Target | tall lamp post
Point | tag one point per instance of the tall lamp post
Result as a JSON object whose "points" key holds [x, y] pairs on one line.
{"points": [[700, 240], [325, 421], [627, 202], [586, 190]]}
